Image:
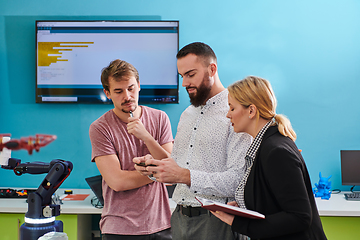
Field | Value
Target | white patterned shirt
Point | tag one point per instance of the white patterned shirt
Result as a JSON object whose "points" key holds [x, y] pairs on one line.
{"points": [[206, 144]]}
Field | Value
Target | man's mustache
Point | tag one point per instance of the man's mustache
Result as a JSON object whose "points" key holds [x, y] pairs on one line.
{"points": [[187, 88], [129, 101]]}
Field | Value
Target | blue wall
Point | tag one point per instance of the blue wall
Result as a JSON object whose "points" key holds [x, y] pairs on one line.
{"points": [[309, 50]]}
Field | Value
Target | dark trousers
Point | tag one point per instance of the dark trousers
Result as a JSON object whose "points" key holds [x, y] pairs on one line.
{"points": [[201, 227], [162, 235]]}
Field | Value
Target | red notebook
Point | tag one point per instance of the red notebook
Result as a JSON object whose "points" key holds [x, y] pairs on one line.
{"points": [[216, 206], [75, 197]]}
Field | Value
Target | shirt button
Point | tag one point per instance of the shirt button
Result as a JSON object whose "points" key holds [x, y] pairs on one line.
{"points": [[187, 163], [194, 128], [190, 145]]}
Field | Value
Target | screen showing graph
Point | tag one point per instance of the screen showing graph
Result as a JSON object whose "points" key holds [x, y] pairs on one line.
{"points": [[71, 54]]}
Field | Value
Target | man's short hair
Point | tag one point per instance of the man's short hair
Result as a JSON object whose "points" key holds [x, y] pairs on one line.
{"points": [[199, 49], [118, 69]]}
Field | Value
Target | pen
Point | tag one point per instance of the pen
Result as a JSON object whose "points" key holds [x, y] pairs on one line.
{"points": [[131, 114]]}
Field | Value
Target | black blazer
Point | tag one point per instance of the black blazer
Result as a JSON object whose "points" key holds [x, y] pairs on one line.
{"points": [[279, 187]]}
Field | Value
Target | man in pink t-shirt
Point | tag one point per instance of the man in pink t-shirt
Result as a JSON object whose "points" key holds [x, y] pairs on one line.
{"points": [[135, 207]]}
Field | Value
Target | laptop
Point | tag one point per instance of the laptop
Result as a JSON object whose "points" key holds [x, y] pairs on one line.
{"points": [[95, 184]]}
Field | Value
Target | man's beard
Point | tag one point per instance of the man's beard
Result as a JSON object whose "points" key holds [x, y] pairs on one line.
{"points": [[126, 102], [202, 92]]}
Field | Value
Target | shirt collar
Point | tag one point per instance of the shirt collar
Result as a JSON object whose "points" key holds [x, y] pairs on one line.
{"points": [[251, 153], [218, 98]]}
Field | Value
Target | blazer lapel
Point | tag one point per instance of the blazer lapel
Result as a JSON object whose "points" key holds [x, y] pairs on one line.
{"points": [[249, 191]]}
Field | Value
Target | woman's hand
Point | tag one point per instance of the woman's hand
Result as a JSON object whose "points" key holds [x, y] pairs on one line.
{"points": [[233, 203], [225, 217]]}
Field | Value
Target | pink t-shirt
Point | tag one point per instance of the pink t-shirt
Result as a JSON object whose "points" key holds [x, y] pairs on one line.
{"points": [[140, 211]]}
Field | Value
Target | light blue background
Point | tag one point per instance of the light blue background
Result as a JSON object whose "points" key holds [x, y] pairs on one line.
{"points": [[309, 50]]}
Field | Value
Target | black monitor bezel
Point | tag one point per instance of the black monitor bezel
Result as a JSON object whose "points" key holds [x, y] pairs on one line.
{"points": [[143, 96], [346, 165]]}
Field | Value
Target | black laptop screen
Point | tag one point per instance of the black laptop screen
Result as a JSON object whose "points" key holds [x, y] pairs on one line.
{"points": [[95, 184]]}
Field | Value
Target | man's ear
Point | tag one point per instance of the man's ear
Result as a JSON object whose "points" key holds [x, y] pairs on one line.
{"points": [[212, 69], [107, 93]]}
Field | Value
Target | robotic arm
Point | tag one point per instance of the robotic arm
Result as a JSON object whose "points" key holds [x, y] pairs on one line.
{"points": [[39, 202], [40, 217]]}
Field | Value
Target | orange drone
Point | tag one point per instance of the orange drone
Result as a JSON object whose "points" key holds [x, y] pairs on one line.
{"points": [[28, 143]]}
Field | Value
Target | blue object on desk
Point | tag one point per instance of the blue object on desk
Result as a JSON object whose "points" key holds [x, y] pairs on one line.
{"points": [[322, 189]]}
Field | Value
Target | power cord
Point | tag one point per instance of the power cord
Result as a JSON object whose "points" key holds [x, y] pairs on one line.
{"points": [[335, 191], [352, 188]]}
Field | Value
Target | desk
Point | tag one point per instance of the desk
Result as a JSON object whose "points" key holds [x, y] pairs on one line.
{"points": [[340, 217], [19, 205], [76, 216]]}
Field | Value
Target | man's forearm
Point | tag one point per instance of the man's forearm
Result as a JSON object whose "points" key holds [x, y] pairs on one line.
{"points": [[154, 148]]}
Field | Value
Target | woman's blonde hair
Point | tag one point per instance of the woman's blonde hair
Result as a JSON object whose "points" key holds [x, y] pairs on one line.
{"points": [[258, 91]]}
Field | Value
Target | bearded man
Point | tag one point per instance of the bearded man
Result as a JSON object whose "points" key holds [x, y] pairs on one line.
{"points": [[208, 156]]}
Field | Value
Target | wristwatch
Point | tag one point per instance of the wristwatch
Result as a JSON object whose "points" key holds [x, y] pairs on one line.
{"points": [[152, 177]]}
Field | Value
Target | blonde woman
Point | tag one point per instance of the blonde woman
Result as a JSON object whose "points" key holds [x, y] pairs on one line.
{"points": [[276, 181]]}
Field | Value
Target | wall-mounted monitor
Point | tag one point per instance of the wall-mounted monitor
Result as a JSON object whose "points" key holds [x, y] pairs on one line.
{"points": [[71, 54], [350, 167]]}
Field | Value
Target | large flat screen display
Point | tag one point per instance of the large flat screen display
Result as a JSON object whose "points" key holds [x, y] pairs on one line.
{"points": [[71, 54], [350, 167]]}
